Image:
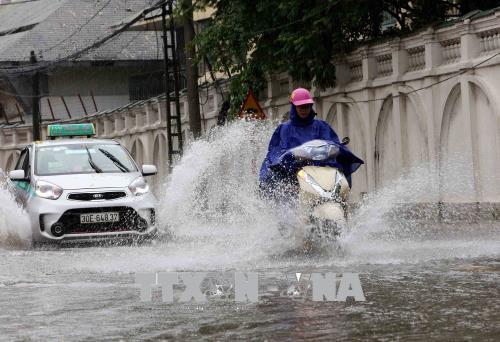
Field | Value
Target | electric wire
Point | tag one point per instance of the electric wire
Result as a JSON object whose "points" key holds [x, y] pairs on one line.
{"points": [[108, 38], [96, 44], [79, 29], [17, 2], [402, 94], [99, 42]]}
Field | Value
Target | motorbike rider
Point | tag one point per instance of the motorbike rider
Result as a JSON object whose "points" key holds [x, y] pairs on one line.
{"points": [[277, 176]]}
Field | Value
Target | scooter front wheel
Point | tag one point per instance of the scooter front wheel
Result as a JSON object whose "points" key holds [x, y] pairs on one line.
{"points": [[325, 229]]}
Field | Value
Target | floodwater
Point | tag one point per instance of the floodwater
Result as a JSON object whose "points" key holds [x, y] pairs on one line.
{"points": [[422, 280]]}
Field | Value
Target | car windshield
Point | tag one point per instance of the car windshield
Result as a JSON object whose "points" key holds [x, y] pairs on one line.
{"points": [[82, 158]]}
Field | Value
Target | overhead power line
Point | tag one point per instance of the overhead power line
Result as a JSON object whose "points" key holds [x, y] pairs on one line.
{"points": [[98, 43], [16, 2], [456, 74], [79, 29], [76, 94]]}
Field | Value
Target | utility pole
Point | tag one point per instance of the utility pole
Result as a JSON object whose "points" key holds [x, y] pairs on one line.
{"points": [[191, 71], [174, 131], [35, 107]]}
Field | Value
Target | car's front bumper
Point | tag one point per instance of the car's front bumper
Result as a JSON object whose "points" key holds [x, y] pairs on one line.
{"points": [[44, 213]]}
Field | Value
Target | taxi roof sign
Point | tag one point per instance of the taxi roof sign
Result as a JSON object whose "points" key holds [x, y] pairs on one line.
{"points": [[69, 130]]}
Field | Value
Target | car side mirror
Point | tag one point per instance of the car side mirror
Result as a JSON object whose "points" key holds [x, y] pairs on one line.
{"points": [[149, 170], [18, 175], [346, 141]]}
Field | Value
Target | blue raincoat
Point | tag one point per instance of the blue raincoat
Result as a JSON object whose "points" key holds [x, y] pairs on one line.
{"points": [[296, 132]]}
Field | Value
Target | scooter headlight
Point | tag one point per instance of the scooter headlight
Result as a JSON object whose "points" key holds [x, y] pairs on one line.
{"points": [[308, 184], [139, 187], [312, 186], [48, 190]]}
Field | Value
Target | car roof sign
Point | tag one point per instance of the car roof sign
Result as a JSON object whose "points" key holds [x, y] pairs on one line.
{"points": [[69, 130]]}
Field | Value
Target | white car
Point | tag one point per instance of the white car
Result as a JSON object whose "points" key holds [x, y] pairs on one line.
{"points": [[83, 189]]}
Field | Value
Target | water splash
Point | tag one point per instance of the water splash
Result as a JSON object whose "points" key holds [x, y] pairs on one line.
{"points": [[219, 222], [403, 223], [211, 196], [14, 223], [212, 208]]}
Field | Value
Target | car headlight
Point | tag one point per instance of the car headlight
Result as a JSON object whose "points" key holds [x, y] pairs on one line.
{"points": [[48, 190], [139, 187]]}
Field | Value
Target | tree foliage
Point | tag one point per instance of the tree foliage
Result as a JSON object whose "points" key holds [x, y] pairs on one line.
{"points": [[248, 39]]}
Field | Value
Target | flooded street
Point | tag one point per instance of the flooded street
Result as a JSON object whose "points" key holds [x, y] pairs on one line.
{"points": [[441, 288], [422, 280]]}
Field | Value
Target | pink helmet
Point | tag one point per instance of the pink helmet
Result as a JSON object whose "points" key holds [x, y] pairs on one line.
{"points": [[301, 96]]}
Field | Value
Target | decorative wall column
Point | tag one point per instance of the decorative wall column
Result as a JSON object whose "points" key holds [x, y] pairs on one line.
{"points": [[369, 64], [469, 112], [318, 102], [368, 111], [128, 120], [433, 54], [162, 111], [108, 125], [469, 43], [339, 108], [397, 110], [431, 96], [139, 121], [148, 142], [15, 138], [399, 59], [342, 73]]}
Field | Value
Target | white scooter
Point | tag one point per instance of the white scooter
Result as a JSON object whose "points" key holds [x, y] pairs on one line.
{"points": [[322, 194]]}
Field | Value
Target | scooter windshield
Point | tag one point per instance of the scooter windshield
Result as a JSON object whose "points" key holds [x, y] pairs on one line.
{"points": [[318, 150]]}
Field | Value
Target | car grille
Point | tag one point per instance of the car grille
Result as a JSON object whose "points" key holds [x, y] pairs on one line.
{"points": [[129, 220], [96, 196]]}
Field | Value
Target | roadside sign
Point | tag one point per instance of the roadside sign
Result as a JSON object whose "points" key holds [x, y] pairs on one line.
{"points": [[250, 108]]}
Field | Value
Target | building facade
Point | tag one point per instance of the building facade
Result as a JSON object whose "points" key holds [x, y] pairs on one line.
{"points": [[78, 73]]}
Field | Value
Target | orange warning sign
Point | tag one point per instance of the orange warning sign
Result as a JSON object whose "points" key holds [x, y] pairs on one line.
{"points": [[250, 109]]}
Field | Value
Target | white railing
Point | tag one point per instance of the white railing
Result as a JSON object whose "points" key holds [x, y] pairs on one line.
{"points": [[416, 58], [423, 51], [356, 71], [451, 51], [489, 41], [384, 65]]}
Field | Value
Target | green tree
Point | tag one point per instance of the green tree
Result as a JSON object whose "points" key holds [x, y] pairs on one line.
{"points": [[248, 39]]}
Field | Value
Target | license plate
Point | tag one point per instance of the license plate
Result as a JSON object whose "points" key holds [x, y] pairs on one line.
{"points": [[100, 217]]}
